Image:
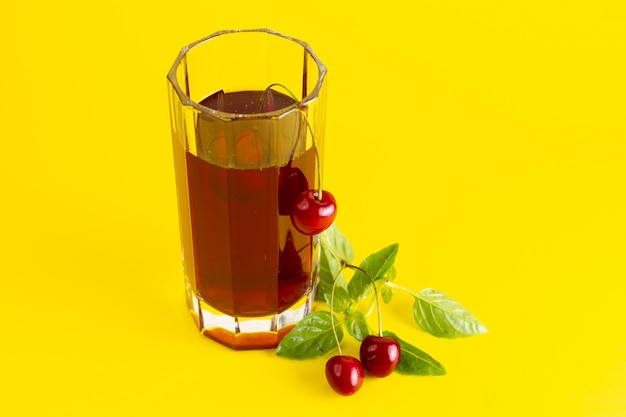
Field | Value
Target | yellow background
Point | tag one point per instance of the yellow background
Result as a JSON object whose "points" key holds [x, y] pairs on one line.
{"points": [[486, 137]]}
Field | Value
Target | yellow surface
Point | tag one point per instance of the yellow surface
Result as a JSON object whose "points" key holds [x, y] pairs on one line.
{"points": [[486, 137]]}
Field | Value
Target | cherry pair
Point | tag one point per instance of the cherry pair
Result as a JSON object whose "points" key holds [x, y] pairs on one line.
{"points": [[379, 357]]}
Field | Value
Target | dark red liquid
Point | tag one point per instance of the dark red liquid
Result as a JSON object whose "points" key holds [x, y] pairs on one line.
{"points": [[249, 259]]}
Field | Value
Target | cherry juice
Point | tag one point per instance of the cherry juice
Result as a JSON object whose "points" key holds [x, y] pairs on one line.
{"points": [[248, 259]]}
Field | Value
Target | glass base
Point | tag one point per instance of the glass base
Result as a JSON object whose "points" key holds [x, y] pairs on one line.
{"points": [[245, 333]]}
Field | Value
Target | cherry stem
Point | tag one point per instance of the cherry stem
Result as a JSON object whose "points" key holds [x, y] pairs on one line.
{"points": [[304, 247], [367, 274], [332, 315], [269, 88], [306, 121], [317, 155]]}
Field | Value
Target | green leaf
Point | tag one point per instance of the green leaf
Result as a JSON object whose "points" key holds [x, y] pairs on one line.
{"points": [[414, 361], [311, 337], [441, 316], [334, 248], [377, 264], [337, 244], [386, 292], [329, 267], [356, 325], [342, 301]]}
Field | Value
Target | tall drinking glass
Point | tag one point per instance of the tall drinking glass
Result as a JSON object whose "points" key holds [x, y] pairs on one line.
{"points": [[247, 121]]}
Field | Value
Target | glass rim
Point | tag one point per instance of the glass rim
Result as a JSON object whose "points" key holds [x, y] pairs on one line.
{"points": [[187, 101]]}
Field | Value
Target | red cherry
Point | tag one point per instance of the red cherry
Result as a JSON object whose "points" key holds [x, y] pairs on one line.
{"points": [[291, 183], [344, 374], [380, 354], [311, 215]]}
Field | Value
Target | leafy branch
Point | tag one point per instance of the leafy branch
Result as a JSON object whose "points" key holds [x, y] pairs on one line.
{"points": [[433, 311]]}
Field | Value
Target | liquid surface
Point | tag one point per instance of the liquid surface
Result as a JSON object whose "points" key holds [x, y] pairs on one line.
{"points": [[247, 102]]}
